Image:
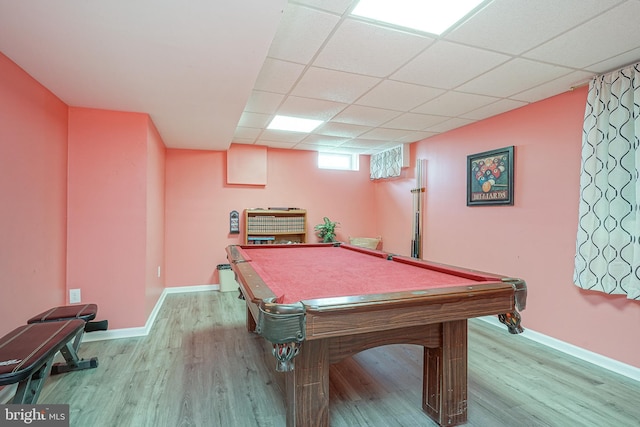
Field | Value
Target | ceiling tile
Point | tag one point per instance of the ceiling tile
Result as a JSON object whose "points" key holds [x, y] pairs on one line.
{"points": [[309, 108], [336, 6], [365, 116], [399, 96], [254, 120], [368, 49], [507, 79], [553, 87], [413, 121], [416, 136], [210, 61], [368, 143], [333, 85], [282, 136], [327, 141], [278, 76], [341, 129], [450, 124], [311, 28], [446, 65], [454, 104], [617, 62], [384, 134], [516, 26], [494, 109], [614, 32], [263, 102], [277, 144]]}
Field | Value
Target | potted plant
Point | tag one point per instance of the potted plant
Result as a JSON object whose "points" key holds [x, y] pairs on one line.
{"points": [[327, 230]]}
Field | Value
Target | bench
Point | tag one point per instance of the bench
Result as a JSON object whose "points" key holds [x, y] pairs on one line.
{"points": [[27, 352]]}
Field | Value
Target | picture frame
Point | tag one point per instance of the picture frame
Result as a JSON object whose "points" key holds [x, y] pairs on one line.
{"points": [[490, 177]]}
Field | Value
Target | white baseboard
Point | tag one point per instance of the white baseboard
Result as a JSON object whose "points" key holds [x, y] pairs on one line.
{"points": [[597, 359], [7, 392], [144, 331], [588, 356]]}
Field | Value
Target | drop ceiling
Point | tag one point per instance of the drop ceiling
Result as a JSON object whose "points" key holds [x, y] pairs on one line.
{"points": [[210, 73]]}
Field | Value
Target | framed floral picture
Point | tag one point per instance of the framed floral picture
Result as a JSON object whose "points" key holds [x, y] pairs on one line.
{"points": [[490, 177]]}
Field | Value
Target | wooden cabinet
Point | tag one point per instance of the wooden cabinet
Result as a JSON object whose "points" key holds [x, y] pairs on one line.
{"points": [[268, 226]]}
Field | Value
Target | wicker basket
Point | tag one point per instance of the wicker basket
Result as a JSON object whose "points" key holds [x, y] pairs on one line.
{"points": [[365, 242]]}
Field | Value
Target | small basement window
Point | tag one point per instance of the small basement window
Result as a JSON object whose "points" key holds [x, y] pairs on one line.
{"points": [[339, 161]]}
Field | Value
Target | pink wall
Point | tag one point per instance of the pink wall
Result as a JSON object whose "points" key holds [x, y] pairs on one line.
{"points": [[83, 206], [156, 155], [107, 212], [198, 202], [33, 181], [534, 239]]}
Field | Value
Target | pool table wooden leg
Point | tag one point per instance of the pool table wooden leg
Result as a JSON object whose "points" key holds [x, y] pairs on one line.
{"points": [[251, 321], [307, 386], [444, 387]]}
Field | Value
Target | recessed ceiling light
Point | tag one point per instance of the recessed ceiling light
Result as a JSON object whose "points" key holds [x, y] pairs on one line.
{"points": [[293, 124], [431, 16]]}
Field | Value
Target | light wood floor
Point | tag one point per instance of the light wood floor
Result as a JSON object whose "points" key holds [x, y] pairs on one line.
{"points": [[199, 367]]}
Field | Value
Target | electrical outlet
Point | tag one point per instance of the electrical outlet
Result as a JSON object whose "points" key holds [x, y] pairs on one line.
{"points": [[74, 296]]}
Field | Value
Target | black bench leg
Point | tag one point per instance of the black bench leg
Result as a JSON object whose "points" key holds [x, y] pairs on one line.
{"points": [[72, 360], [29, 389]]}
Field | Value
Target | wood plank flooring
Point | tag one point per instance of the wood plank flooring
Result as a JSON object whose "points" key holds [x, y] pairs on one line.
{"points": [[200, 367]]}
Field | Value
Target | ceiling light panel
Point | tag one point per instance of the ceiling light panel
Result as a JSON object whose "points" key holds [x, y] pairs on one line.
{"points": [[293, 124], [430, 16]]}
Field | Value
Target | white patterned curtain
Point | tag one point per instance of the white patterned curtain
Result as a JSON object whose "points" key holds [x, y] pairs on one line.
{"points": [[608, 246], [386, 164]]}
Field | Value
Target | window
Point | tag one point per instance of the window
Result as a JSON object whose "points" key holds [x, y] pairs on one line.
{"points": [[338, 161]]}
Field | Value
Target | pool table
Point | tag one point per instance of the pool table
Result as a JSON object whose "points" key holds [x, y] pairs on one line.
{"points": [[320, 303]]}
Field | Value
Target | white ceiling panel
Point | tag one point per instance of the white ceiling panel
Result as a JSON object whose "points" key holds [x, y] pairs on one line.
{"points": [[336, 6], [553, 87], [365, 116], [416, 136], [494, 109], [627, 58], [312, 28], [368, 49], [450, 124], [516, 26], [282, 136], [212, 73], [333, 85], [317, 109], [413, 121], [263, 102], [341, 129], [454, 104], [607, 35], [254, 120], [514, 77], [383, 134], [446, 65], [325, 141], [278, 76], [399, 96]]}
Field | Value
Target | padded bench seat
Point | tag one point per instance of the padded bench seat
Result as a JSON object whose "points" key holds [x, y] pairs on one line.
{"points": [[26, 354], [86, 312]]}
